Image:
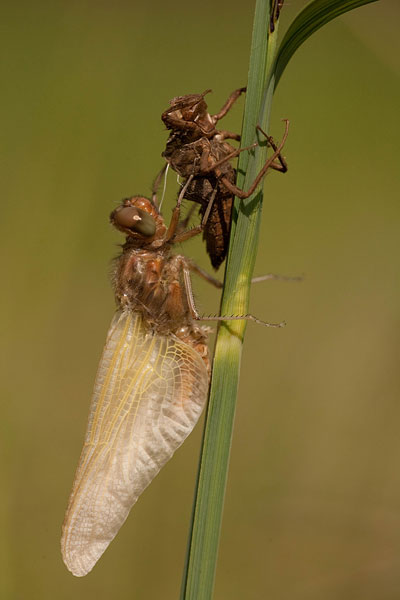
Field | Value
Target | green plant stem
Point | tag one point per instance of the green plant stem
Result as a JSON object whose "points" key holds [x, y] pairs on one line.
{"points": [[266, 67], [199, 574]]}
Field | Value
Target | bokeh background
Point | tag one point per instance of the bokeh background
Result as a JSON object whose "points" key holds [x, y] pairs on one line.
{"points": [[313, 499]]}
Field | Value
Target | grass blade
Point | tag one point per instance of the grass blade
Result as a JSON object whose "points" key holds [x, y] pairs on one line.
{"points": [[198, 579], [308, 21]]}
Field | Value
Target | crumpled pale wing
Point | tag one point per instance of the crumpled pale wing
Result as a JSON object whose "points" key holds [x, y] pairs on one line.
{"points": [[148, 395]]}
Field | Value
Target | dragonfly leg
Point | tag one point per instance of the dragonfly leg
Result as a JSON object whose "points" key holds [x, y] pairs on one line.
{"points": [[218, 284], [241, 193], [156, 185], [186, 235], [175, 214], [195, 314], [276, 277], [228, 104], [206, 276]]}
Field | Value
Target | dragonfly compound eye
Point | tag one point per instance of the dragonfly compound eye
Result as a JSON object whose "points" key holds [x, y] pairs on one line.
{"points": [[134, 219]]}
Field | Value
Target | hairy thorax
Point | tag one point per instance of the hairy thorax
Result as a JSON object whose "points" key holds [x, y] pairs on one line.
{"points": [[151, 283]]}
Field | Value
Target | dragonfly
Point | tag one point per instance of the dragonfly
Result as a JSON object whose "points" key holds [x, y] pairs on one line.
{"points": [[152, 381], [196, 147]]}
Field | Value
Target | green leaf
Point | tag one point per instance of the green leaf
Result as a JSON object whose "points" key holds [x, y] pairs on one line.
{"points": [[308, 21]]}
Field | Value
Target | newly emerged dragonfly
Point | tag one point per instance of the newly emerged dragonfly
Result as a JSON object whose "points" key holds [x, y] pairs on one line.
{"points": [[151, 384]]}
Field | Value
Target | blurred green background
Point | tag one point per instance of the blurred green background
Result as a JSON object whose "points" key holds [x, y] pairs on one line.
{"points": [[313, 498]]}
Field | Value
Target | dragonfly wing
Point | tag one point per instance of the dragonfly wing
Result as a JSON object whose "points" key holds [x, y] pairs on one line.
{"points": [[149, 393]]}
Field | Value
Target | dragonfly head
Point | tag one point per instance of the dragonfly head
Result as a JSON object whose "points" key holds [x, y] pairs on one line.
{"points": [[139, 219], [190, 108]]}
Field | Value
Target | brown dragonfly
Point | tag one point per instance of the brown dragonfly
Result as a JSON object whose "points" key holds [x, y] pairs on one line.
{"points": [[196, 147], [151, 383]]}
